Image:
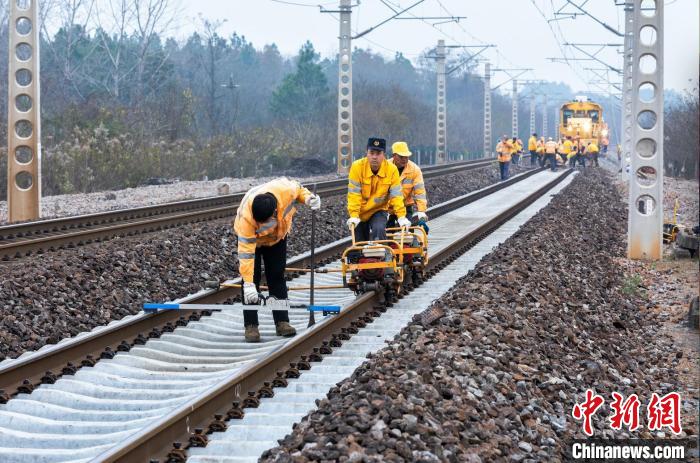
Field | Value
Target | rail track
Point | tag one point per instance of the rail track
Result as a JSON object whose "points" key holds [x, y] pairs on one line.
{"points": [[202, 374], [20, 240]]}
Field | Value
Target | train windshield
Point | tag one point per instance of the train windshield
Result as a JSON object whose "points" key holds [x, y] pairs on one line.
{"points": [[568, 113], [593, 114]]}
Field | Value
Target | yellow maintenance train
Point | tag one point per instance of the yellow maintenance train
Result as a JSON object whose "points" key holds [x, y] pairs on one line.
{"points": [[582, 119]]}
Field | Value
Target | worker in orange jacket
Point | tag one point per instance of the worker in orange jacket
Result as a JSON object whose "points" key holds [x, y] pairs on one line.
{"points": [[412, 184], [263, 221], [505, 151]]}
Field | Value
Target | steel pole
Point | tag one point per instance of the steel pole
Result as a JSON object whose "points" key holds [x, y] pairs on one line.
{"points": [[645, 224], [23, 117], [441, 126], [345, 90]]}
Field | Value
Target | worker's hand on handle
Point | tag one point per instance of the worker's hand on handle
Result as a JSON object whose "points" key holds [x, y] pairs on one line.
{"points": [[404, 222], [353, 222], [421, 216], [314, 202], [250, 293]]}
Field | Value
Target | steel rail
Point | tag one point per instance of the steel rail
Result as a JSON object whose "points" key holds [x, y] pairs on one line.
{"points": [[19, 240], [162, 436], [48, 363]]}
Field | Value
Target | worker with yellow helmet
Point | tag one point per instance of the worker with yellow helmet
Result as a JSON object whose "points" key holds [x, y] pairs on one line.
{"points": [[374, 185], [414, 194]]}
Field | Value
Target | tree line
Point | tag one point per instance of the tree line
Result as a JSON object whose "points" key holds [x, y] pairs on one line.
{"points": [[123, 101]]}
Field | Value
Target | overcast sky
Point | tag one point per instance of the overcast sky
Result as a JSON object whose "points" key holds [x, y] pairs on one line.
{"points": [[519, 29]]}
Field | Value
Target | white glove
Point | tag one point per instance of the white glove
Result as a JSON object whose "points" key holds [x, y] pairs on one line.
{"points": [[353, 221], [314, 202], [404, 222], [421, 216], [250, 293]]}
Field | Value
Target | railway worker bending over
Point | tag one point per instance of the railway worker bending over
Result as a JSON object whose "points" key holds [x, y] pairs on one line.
{"points": [[374, 185], [550, 151], [566, 150], [593, 150], [504, 150], [414, 195], [262, 223]]}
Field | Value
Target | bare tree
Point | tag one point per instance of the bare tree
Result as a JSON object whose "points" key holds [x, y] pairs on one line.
{"points": [[153, 18], [73, 18]]}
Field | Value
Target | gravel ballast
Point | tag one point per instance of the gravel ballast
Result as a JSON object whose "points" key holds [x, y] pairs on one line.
{"points": [[536, 323], [59, 294]]}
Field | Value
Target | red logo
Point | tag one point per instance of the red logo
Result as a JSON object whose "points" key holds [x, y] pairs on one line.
{"points": [[587, 409], [665, 412], [626, 413]]}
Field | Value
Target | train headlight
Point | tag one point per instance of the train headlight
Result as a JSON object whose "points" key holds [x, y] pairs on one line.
{"points": [[604, 132], [586, 126]]}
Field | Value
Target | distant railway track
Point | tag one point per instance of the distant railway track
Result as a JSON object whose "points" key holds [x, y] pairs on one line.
{"points": [[20, 240], [270, 368]]}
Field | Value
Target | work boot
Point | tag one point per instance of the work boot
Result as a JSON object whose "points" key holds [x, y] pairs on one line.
{"points": [[285, 329], [252, 334]]}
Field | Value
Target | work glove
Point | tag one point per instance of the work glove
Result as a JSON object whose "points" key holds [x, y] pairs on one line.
{"points": [[250, 293], [421, 216], [404, 222], [353, 221], [314, 202]]}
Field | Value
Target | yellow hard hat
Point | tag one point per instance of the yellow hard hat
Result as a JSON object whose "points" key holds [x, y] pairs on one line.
{"points": [[400, 148]]}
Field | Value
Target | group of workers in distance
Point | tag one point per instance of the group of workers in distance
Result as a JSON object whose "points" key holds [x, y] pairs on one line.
{"points": [[381, 193], [545, 152]]}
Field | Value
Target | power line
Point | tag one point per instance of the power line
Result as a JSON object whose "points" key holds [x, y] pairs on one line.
{"points": [[316, 5]]}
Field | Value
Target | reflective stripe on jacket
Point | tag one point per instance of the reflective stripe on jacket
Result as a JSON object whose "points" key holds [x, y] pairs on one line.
{"points": [[413, 187], [251, 234], [369, 192], [550, 147]]}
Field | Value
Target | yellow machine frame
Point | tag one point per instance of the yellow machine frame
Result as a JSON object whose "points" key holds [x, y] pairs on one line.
{"points": [[397, 262]]}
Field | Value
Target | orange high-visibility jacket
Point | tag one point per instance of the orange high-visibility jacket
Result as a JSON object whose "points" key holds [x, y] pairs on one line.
{"points": [[504, 150], [251, 234], [413, 187], [540, 146], [369, 193], [532, 144], [550, 147]]}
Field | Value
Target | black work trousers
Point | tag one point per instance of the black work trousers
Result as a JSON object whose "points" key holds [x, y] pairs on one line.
{"points": [[393, 221], [374, 229], [275, 259]]}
